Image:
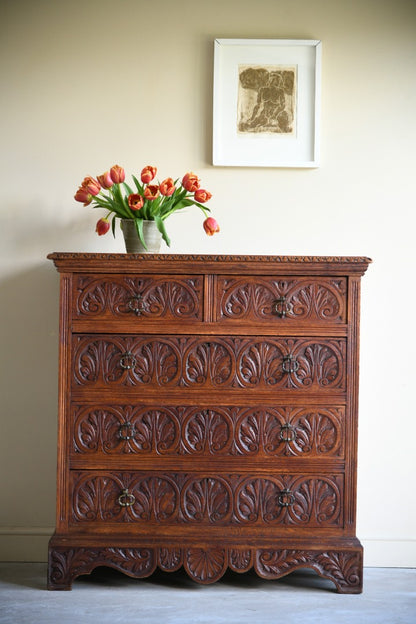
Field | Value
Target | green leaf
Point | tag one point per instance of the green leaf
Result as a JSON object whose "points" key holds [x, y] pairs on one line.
{"points": [[161, 227], [139, 228], [183, 203], [120, 202], [101, 202], [138, 185], [154, 206], [202, 206], [113, 226], [128, 189]]}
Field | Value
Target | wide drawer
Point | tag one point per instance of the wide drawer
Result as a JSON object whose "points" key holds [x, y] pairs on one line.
{"points": [[104, 361], [270, 299], [139, 298], [188, 432], [175, 498]]}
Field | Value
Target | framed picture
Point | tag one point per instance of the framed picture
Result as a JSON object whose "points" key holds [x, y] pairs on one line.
{"points": [[266, 102]]}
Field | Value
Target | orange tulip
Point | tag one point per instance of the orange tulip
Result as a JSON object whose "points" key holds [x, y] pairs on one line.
{"points": [[151, 192], [102, 227], [190, 182], [167, 187], [211, 226], [82, 195], [135, 201], [105, 180], [117, 174], [92, 186], [147, 174], [202, 196]]}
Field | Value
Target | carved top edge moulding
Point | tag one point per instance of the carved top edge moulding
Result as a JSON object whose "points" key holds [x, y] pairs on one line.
{"points": [[173, 263]]}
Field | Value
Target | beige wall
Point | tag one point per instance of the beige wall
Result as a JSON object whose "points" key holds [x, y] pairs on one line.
{"points": [[88, 83]]}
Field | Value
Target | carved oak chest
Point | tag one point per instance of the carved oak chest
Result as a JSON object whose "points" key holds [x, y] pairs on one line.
{"points": [[207, 416]]}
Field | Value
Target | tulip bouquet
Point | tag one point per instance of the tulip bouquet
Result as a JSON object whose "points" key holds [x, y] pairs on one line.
{"points": [[148, 201]]}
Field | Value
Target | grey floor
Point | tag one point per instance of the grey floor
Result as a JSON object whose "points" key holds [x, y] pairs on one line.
{"points": [[108, 596]]}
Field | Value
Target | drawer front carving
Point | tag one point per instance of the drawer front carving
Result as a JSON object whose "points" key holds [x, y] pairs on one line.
{"points": [[198, 362], [159, 431], [141, 298], [256, 299], [172, 498]]}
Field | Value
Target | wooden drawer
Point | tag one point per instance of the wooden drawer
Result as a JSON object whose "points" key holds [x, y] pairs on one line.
{"points": [[104, 361], [139, 298], [281, 300], [204, 499], [188, 432]]}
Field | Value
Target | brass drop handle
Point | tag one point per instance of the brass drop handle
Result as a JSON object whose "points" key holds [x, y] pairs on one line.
{"points": [[126, 431], [127, 361], [126, 499], [281, 307], [285, 498], [287, 433], [136, 305], [290, 364]]}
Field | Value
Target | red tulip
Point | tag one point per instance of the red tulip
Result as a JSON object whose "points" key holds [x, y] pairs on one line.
{"points": [[82, 195], [105, 180], [135, 201], [167, 187], [147, 174], [211, 226], [202, 196], [190, 182], [92, 186], [102, 227], [117, 174], [151, 192]]}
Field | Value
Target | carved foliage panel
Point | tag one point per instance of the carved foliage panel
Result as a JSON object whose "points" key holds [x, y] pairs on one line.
{"points": [[158, 297], [207, 565], [217, 431], [180, 498], [259, 299], [218, 362]]}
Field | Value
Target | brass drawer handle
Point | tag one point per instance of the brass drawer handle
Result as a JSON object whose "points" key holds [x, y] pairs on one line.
{"points": [[285, 498], [136, 305], [125, 499], [127, 361], [281, 307], [287, 433], [290, 364], [126, 431]]}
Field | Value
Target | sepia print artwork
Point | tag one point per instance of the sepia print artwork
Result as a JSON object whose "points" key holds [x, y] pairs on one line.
{"points": [[266, 99]]}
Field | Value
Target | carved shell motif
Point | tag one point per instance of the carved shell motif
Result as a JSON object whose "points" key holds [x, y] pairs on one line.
{"points": [[198, 362], [187, 430], [153, 297], [320, 300], [207, 500]]}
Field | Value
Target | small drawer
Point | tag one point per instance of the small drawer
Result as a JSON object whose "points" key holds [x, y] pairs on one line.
{"points": [[140, 298], [272, 299], [205, 499]]}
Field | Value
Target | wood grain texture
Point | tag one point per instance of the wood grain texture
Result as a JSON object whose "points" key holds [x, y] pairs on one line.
{"points": [[207, 416]]}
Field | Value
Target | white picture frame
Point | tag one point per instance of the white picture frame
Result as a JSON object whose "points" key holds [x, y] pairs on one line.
{"points": [[258, 125]]}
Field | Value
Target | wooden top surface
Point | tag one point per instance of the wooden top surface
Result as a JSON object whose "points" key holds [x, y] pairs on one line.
{"points": [[194, 263]]}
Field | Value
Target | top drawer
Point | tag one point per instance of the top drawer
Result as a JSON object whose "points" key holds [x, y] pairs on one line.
{"points": [[257, 298], [150, 297]]}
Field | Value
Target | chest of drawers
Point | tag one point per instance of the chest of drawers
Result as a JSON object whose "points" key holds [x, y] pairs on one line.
{"points": [[207, 416]]}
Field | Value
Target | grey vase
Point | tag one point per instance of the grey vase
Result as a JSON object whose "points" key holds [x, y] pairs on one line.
{"points": [[152, 237]]}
